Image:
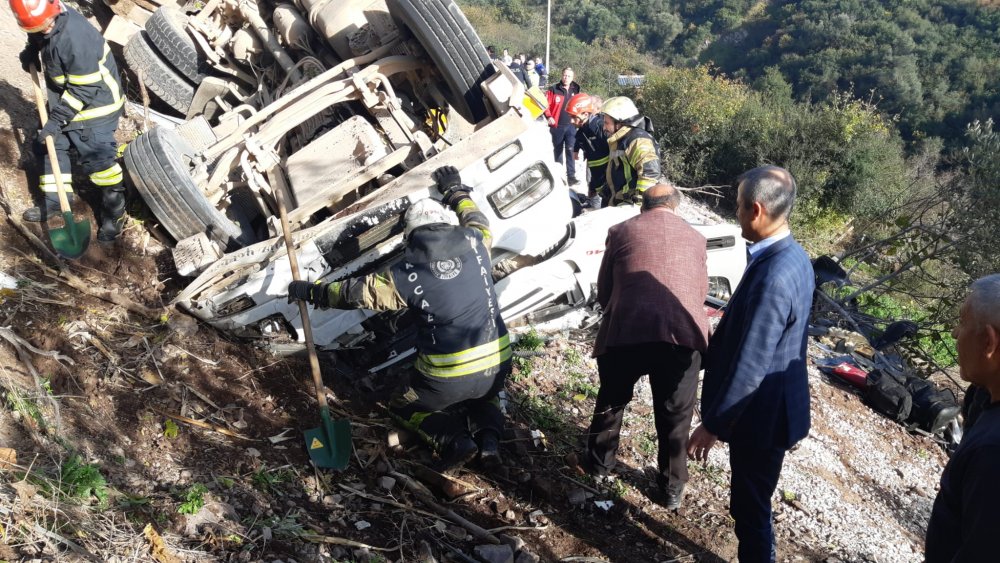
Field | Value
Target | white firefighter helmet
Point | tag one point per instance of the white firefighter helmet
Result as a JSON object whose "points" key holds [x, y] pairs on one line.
{"points": [[427, 211], [620, 108]]}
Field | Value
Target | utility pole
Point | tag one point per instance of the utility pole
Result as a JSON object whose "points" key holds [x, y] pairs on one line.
{"points": [[548, 36]]}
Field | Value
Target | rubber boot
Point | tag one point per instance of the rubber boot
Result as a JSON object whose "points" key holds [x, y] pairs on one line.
{"points": [[457, 453], [112, 213], [48, 209], [489, 449]]}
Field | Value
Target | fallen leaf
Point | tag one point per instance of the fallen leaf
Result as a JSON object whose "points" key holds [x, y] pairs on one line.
{"points": [[157, 549], [8, 457], [25, 491], [150, 376]]}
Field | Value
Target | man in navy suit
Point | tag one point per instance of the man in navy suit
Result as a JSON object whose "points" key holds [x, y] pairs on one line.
{"points": [[755, 394]]}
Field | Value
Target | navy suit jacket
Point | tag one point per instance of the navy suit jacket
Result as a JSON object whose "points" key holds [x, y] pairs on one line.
{"points": [[756, 388]]}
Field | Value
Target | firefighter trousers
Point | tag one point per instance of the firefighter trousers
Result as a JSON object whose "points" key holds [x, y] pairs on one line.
{"points": [[98, 155], [441, 409]]}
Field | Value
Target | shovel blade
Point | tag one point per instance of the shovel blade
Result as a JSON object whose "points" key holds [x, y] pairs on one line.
{"points": [[329, 445], [70, 240]]}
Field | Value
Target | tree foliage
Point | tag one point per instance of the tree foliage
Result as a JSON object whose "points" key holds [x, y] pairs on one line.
{"points": [[880, 109], [933, 63]]}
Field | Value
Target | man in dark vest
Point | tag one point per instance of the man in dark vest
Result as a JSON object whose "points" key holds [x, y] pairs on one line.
{"points": [[463, 351]]}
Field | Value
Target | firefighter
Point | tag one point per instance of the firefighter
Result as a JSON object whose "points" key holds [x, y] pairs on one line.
{"points": [[585, 115], [634, 165], [463, 351], [85, 102]]}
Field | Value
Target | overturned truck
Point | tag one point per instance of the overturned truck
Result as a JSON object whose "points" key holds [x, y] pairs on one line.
{"points": [[347, 108]]}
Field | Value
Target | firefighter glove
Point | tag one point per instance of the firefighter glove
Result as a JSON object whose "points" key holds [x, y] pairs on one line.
{"points": [[305, 291], [51, 128], [29, 58], [449, 184]]}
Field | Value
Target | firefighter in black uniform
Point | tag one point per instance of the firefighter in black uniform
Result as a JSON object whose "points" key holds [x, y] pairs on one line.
{"points": [[585, 113], [463, 351], [85, 102]]}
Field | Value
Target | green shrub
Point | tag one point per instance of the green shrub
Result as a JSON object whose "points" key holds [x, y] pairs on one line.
{"points": [[194, 499], [82, 481]]}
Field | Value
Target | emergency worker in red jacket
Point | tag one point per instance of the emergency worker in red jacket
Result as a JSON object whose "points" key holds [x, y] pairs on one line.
{"points": [[560, 125]]}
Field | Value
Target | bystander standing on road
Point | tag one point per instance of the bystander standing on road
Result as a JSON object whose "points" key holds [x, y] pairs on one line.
{"points": [[563, 131]]}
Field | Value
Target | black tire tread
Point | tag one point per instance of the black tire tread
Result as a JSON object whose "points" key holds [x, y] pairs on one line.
{"points": [[166, 31], [453, 46], [154, 163], [165, 82]]}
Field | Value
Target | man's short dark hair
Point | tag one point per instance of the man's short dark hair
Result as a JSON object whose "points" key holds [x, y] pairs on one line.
{"points": [[771, 186], [670, 199]]}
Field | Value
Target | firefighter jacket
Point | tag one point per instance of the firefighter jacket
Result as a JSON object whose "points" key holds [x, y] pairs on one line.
{"points": [[593, 141], [80, 73], [634, 165], [445, 277]]}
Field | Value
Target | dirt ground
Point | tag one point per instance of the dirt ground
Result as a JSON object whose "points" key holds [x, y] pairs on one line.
{"points": [[114, 396]]}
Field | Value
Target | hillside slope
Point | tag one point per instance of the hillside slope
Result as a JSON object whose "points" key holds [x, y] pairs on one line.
{"points": [[102, 451]]}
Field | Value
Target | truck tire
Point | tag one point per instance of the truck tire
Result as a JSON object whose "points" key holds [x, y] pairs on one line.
{"points": [[166, 31], [453, 46], [165, 82], [155, 163]]}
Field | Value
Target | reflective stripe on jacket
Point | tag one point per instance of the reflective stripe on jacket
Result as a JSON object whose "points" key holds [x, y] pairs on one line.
{"points": [[446, 278], [634, 165], [593, 142], [81, 72]]}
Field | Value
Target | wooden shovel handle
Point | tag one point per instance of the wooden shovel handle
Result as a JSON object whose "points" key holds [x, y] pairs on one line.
{"points": [[293, 262], [43, 116]]}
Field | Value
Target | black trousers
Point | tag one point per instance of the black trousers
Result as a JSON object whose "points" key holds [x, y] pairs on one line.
{"points": [[673, 377], [755, 473], [97, 156], [441, 409], [563, 141]]}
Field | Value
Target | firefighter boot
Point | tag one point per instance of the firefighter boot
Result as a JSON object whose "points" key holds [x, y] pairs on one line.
{"points": [[457, 453], [49, 208], [489, 449], [112, 213]]}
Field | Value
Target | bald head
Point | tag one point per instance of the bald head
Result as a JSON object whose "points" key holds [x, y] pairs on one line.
{"points": [[661, 195]]}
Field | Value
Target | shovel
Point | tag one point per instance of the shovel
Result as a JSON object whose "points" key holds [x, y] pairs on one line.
{"points": [[70, 240], [329, 444]]}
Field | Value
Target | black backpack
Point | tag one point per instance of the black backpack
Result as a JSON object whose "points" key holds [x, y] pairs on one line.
{"points": [[888, 395]]}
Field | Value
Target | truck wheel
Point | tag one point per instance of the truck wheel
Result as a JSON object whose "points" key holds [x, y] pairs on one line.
{"points": [[453, 46], [165, 82], [155, 163], [166, 31]]}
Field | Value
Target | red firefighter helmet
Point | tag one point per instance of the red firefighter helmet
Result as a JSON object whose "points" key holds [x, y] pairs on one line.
{"points": [[579, 104], [35, 15]]}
